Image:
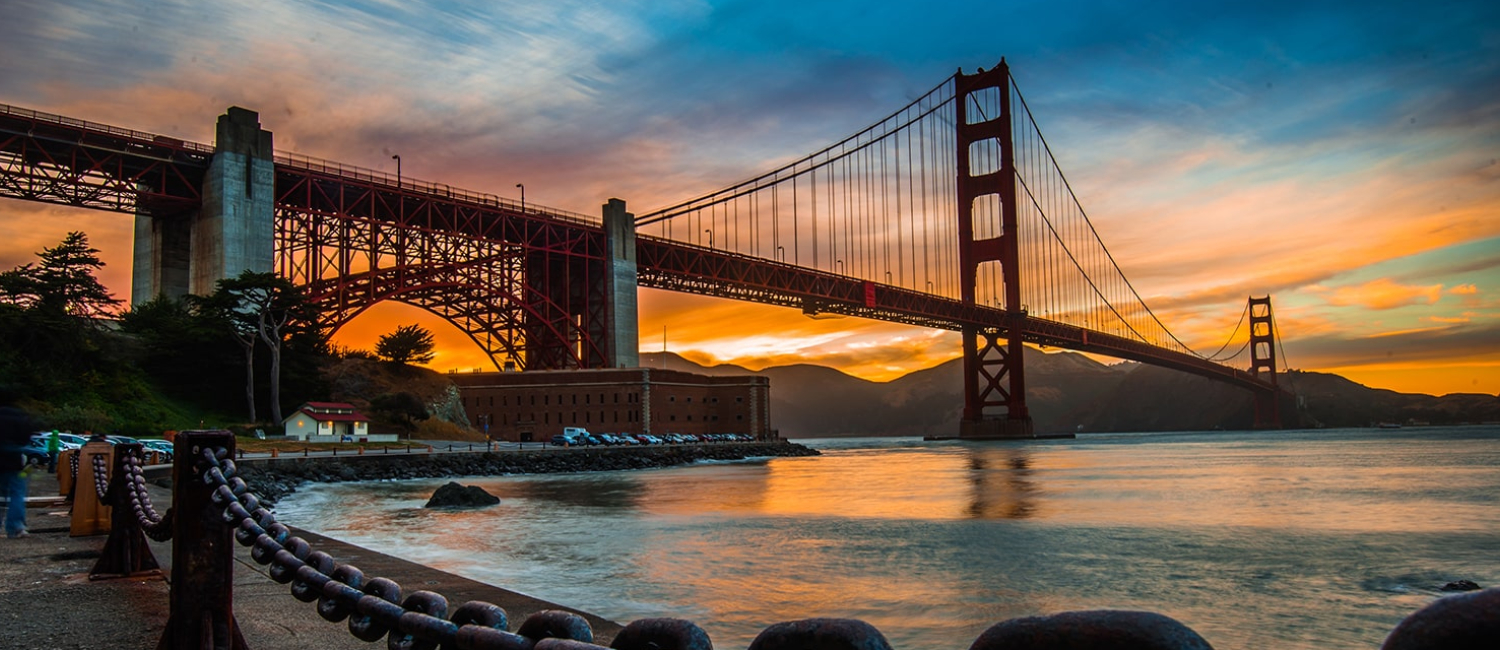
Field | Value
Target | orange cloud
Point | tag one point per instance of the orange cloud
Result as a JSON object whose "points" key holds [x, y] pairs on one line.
{"points": [[1385, 294], [1454, 320], [1464, 290]]}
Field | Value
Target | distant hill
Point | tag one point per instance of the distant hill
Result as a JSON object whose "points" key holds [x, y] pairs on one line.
{"points": [[1071, 392]]}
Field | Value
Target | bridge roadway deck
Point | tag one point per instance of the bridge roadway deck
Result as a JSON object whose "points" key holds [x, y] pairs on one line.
{"points": [[49, 602]]}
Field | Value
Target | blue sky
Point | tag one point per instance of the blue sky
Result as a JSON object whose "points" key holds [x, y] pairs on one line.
{"points": [[1339, 155]]}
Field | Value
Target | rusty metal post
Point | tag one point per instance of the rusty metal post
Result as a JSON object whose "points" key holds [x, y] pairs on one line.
{"points": [[126, 552], [201, 614]]}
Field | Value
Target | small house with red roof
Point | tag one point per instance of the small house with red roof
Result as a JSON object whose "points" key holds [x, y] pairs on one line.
{"points": [[328, 422]]}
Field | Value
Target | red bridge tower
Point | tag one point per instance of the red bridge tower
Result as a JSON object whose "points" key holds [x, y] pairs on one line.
{"points": [[994, 370], [1263, 357]]}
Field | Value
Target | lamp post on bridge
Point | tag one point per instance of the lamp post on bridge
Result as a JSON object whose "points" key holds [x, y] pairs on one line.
{"points": [[781, 253], [523, 195], [710, 232], [401, 200], [839, 264]]}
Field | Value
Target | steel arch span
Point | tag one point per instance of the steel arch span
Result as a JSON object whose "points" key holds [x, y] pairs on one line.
{"points": [[501, 295]]}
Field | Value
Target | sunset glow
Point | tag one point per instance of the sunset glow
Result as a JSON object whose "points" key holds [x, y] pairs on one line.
{"points": [[1340, 158]]}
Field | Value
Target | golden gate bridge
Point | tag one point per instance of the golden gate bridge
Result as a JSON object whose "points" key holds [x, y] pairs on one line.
{"points": [[950, 213]]}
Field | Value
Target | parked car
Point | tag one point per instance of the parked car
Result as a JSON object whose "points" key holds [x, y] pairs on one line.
{"points": [[35, 453], [65, 441], [159, 446]]}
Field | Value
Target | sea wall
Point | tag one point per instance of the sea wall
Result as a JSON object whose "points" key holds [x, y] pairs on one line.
{"points": [[274, 478]]}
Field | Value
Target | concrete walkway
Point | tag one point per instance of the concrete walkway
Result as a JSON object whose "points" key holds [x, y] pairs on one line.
{"points": [[48, 602]]}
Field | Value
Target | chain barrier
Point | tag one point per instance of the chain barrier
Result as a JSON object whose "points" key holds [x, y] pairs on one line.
{"points": [[374, 607], [157, 527], [131, 518], [101, 476]]}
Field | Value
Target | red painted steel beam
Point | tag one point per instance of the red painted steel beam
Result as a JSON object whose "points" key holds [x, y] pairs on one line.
{"points": [[53, 159]]}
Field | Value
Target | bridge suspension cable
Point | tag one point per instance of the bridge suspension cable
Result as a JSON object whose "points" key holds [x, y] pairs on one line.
{"points": [[881, 206], [1227, 342], [1057, 233], [877, 205]]}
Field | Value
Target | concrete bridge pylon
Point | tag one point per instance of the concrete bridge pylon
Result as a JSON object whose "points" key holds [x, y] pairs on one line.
{"points": [[234, 229]]}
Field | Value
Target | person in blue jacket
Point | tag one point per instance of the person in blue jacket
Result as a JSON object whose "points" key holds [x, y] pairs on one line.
{"points": [[15, 432]]}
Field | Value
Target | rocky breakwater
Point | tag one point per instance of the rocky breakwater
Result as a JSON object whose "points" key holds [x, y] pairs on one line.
{"points": [[274, 478]]}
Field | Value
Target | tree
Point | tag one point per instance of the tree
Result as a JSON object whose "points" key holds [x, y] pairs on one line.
{"points": [[408, 344], [63, 284], [260, 307], [48, 318], [184, 351], [401, 407]]}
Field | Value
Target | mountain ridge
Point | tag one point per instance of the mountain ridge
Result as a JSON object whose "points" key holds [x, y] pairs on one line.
{"points": [[1069, 392]]}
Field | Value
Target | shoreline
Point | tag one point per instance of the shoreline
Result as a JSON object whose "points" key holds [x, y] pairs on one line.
{"points": [[274, 478]]}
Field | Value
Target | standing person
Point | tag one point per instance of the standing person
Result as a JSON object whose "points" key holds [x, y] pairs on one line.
{"points": [[15, 430], [54, 445]]}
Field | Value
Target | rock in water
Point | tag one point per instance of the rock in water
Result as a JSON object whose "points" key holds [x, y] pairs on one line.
{"points": [[1460, 585], [461, 496]]}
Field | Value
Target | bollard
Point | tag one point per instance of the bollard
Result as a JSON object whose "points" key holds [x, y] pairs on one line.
{"points": [[90, 515], [1085, 630], [201, 600], [275, 453], [361, 451], [126, 552], [1469, 621]]}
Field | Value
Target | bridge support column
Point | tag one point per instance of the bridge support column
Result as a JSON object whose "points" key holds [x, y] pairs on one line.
{"points": [[163, 253], [994, 372], [622, 320], [235, 230]]}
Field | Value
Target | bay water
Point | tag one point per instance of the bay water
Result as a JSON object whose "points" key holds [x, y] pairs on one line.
{"points": [[1292, 539]]}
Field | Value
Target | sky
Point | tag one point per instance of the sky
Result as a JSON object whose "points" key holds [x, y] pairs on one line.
{"points": [[1340, 156]]}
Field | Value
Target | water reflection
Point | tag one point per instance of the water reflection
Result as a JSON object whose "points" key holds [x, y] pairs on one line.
{"points": [[613, 491], [1297, 540], [1001, 485]]}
